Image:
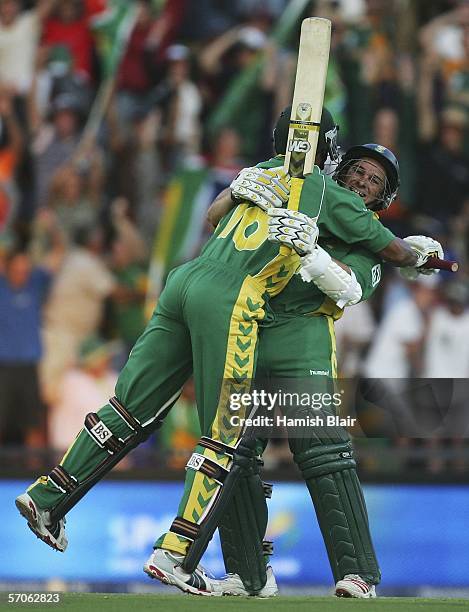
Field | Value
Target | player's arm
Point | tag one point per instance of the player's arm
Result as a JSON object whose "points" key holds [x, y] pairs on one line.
{"points": [[399, 253], [220, 207], [264, 187]]}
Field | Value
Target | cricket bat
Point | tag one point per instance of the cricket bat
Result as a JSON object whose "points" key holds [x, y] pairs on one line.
{"points": [[308, 98]]}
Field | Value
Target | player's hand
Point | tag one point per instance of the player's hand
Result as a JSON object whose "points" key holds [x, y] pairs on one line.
{"points": [[265, 188], [293, 229], [424, 247]]}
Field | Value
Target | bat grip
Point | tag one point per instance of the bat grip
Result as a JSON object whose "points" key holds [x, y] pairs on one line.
{"points": [[435, 263]]}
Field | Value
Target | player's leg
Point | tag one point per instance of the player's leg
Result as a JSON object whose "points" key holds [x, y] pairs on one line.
{"points": [[242, 531], [224, 338], [324, 454], [147, 387]]}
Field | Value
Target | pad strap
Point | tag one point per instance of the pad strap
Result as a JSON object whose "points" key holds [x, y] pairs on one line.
{"points": [[208, 467], [182, 527], [102, 435], [267, 486], [268, 547], [216, 446], [63, 480], [125, 415]]}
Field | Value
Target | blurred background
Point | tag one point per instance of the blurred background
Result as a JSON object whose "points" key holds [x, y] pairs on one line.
{"points": [[120, 121]]}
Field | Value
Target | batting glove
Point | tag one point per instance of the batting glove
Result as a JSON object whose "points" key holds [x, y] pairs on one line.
{"points": [[424, 247], [293, 229], [265, 188]]}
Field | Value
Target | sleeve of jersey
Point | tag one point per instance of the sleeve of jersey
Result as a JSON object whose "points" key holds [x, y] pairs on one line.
{"points": [[367, 269], [351, 221]]}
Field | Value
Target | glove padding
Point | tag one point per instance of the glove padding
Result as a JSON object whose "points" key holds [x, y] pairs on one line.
{"points": [[265, 188], [425, 247], [293, 229]]}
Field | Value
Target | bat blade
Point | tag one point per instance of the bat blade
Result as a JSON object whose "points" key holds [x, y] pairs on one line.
{"points": [[308, 96]]}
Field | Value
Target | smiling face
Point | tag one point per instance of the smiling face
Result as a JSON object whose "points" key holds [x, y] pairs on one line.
{"points": [[367, 178]]}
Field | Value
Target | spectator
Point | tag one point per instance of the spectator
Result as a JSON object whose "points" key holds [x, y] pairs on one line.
{"points": [[354, 332], [446, 359], [443, 171], [75, 306], [394, 357], [137, 71], [11, 147], [20, 31], [181, 129], [89, 382], [68, 28], [57, 143], [395, 352], [127, 302], [447, 341], [181, 429], [73, 199], [23, 290], [368, 68], [444, 67], [222, 60]]}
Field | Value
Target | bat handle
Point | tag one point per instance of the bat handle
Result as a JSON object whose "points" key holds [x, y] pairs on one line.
{"points": [[435, 263]]}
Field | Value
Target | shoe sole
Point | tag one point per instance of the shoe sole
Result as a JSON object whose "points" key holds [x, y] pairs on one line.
{"points": [[348, 595], [30, 515], [157, 574]]}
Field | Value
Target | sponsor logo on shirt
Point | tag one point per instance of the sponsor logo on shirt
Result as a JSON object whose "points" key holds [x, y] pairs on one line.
{"points": [[375, 275]]}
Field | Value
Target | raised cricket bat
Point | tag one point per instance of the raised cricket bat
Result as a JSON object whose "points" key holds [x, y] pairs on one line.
{"points": [[308, 98]]}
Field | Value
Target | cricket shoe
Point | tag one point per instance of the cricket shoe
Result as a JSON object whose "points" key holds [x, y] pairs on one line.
{"points": [[39, 522], [233, 585], [165, 566], [353, 585]]}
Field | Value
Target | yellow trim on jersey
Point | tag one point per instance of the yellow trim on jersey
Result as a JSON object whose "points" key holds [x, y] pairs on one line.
{"points": [[330, 325], [172, 542], [240, 355], [328, 308], [275, 275]]}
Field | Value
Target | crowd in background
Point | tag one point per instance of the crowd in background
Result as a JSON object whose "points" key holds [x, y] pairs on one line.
{"points": [[84, 223]]}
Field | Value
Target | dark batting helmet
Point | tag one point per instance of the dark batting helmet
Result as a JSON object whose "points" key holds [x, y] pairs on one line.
{"points": [[385, 158], [327, 142]]}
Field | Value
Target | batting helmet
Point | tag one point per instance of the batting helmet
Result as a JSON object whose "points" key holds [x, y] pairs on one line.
{"points": [[385, 158], [327, 142]]}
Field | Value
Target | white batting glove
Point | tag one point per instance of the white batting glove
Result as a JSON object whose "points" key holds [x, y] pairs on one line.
{"points": [[293, 229], [265, 188], [425, 247]]}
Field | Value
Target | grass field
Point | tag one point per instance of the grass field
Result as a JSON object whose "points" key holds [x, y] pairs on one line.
{"points": [[97, 602]]}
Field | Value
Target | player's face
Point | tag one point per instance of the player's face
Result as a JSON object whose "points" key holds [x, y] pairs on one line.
{"points": [[367, 178]]}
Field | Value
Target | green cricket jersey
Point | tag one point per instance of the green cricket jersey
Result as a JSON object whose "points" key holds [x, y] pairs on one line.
{"points": [[346, 228], [301, 298]]}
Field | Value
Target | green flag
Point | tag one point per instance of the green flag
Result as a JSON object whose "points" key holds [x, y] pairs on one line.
{"points": [[112, 29], [181, 228]]}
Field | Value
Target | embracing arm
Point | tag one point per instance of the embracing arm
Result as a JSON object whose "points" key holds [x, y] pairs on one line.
{"points": [[220, 206], [399, 253]]}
